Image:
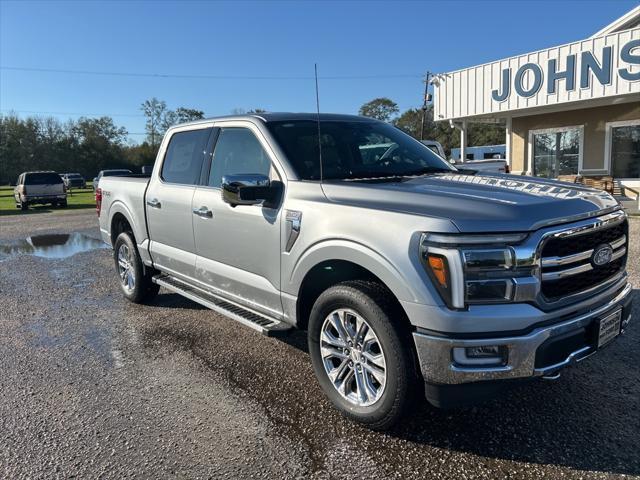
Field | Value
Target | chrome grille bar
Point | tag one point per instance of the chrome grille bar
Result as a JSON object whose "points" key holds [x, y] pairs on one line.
{"points": [[577, 257], [580, 268]]}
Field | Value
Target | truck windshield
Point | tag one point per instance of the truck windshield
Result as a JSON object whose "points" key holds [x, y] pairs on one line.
{"points": [[354, 150], [42, 178]]}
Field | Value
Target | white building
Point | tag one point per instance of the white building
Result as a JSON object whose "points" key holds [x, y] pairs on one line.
{"points": [[573, 109]]}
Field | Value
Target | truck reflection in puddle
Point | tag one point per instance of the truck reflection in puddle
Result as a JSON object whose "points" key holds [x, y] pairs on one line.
{"points": [[53, 246]]}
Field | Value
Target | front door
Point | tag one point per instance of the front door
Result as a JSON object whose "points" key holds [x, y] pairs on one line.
{"points": [[238, 248], [168, 203], [557, 152]]}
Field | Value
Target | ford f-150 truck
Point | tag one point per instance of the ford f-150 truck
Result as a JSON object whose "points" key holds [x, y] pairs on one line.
{"points": [[409, 276]]}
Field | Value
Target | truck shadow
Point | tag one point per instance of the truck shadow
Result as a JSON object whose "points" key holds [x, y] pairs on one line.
{"points": [[580, 421], [583, 421], [173, 300]]}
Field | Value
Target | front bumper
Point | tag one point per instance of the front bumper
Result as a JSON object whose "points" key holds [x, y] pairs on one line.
{"points": [[527, 355]]}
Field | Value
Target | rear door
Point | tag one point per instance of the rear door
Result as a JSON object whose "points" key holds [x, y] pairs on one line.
{"points": [[168, 201]]}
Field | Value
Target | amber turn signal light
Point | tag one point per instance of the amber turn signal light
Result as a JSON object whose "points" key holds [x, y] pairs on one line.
{"points": [[438, 266]]}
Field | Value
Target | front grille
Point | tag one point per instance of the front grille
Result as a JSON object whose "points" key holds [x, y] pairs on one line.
{"points": [[561, 247], [567, 266], [554, 290]]}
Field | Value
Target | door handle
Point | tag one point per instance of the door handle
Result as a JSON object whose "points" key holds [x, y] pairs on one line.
{"points": [[203, 212], [154, 203]]}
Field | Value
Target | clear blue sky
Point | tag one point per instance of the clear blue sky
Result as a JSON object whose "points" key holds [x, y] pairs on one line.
{"points": [[400, 40]]}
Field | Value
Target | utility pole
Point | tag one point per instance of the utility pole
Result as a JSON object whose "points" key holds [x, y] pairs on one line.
{"points": [[425, 99]]}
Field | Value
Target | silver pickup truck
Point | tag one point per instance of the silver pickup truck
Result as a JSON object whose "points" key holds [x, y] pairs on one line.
{"points": [[410, 277]]}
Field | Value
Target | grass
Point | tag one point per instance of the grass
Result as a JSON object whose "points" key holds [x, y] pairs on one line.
{"points": [[77, 199]]}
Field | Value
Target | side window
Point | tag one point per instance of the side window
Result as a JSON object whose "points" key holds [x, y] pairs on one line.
{"points": [[237, 151], [184, 157]]}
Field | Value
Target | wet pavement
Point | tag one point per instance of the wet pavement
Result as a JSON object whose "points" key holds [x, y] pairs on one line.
{"points": [[52, 246], [93, 386]]}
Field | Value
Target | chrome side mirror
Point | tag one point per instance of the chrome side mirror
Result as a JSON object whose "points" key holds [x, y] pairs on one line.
{"points": [[246, 189]]}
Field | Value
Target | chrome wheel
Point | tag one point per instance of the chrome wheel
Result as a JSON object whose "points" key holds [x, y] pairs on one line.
{"points": [[353, 357], [126, 271]]}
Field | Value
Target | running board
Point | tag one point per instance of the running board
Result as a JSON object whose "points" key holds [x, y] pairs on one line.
{"points": [[262, 323]]}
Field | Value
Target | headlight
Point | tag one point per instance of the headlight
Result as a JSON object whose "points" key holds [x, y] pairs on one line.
{"points": [[469, 269]]}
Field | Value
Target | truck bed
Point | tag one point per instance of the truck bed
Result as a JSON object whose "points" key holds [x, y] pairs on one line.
{"points": [[126, 195]]}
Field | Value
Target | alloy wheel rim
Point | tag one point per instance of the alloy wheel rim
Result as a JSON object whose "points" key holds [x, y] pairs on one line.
{"points": [[125, 268], [352, 357]]}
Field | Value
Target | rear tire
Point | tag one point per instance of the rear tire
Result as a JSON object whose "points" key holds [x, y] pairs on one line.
{"points": [[378, 362], [135, 280]]}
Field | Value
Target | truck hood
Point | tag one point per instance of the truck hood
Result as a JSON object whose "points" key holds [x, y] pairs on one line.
{"points": [[477, 203]]}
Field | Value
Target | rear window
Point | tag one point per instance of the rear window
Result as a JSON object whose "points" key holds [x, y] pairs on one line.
{"points": [[42, 178], [184, 157]]}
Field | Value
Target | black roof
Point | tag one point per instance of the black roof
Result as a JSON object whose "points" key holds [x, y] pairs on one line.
{"points": [[324, 117], [285, 117]]}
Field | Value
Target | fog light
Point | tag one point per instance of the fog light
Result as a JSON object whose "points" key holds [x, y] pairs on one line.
{"points": [[489, 290], [483, 351], [480, 355]]}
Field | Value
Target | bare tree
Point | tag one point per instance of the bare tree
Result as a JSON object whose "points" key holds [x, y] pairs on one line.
{"points": [[156, 111]]}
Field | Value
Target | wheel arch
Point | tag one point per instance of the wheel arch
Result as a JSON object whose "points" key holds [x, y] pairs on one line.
{"points": [[119, 217], [327, 264]]}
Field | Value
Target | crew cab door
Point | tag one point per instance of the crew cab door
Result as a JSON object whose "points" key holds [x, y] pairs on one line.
{"points": [[238, 248], [168, 201]]}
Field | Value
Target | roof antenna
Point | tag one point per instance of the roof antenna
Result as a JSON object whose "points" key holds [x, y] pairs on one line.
{"points": [[318, 117]]}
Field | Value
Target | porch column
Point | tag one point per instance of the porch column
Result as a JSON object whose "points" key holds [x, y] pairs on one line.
{"points": [[463, 141], [507, 141]]}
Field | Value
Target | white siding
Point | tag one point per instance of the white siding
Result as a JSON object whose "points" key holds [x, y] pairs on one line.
{"points": [[467, 93]]}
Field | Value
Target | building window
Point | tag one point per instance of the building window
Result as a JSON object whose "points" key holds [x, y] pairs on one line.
{"points": [[623, 149], [556, 151]]}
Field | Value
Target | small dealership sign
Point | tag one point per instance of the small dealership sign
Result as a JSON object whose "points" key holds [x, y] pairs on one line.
{"points": [[589, 69]]}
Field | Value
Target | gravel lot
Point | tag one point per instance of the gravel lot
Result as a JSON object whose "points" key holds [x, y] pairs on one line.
{"points": [[92, 386]]}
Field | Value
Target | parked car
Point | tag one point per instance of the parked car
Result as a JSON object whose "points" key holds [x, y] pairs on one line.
{"points": [[403, 271], [115, 172], [74, 180], [496, 166], [483, 152], [434, 146], [42, 187]]}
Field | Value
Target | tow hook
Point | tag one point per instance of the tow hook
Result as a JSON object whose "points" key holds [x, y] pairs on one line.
{"points": [[553, 376]]}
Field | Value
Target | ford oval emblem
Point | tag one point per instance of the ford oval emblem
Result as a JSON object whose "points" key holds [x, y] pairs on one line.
{"points": [[602, 255]]}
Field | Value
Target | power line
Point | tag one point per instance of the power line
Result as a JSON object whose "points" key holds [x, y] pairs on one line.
{"points": [[75, 113], [206, 76]]}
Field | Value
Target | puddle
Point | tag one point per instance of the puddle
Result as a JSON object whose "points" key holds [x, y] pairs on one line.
{"points": [[53, 246]]}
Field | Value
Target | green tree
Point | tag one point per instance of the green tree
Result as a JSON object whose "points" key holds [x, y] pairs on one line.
{"points": [[380, 108], [411, 122], [478, 133], [141, 155], [188, 114], [100, 144]]}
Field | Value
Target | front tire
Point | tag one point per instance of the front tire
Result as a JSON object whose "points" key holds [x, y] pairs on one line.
{"points": [[361, 353], [24, 206], [134, 279]]}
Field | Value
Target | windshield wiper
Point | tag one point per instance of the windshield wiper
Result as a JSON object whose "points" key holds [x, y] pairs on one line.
{"points": [[426, 171], [394, 176]]}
